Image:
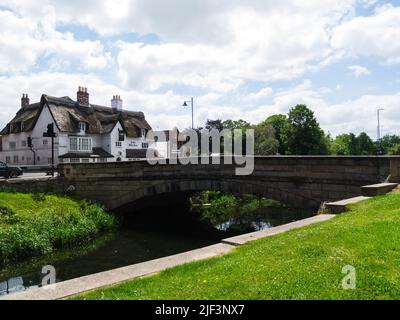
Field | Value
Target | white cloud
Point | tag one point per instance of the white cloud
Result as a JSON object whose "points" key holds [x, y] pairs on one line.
{"points": [[374, 35], [359, 71], [23, 42], [213, 47], [265, 43]]}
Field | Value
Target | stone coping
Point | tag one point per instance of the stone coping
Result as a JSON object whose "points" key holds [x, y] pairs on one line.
{"points": [[246, 238], [103, 279]]}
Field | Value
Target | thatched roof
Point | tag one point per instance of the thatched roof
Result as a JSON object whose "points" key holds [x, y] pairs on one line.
{"points": [[67, 114]]}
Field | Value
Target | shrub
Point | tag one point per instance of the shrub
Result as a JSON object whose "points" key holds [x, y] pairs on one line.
{"points": [[40, 228]]}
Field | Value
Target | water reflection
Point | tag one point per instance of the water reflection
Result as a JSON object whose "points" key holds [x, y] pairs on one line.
{"points": [[146, 235]]}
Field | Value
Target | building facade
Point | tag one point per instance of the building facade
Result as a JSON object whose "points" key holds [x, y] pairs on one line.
{"points": [[85, 132]]}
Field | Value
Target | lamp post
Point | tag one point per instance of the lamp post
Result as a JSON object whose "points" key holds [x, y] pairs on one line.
{"points": [[379, 130], [185, 104], [379, 123]]}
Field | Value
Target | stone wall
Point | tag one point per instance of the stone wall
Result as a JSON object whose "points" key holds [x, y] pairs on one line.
{"points": [[299, 181]]}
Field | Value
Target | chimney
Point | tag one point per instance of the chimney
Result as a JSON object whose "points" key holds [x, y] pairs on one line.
{"points": [[24, 100], [116, 103], [82, 96]]}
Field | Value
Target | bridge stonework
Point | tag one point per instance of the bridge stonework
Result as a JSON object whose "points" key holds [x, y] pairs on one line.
{"points": [[295, 180]]}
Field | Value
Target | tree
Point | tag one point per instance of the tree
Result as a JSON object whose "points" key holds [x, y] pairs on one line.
{"points": [[278, 122], [214, 124], [350, 144], [264, 140], [365, 145], [387, 143], [302, 134], [235, 124], [395, 150]]}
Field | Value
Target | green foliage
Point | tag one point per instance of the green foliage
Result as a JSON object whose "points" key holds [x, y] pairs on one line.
{"points": [[350, 144], [219, 207], [388, 144], [235, 124], [301, 264], [36, 225], [264, 140], [395, 150], [302, 133], [278, 122]]}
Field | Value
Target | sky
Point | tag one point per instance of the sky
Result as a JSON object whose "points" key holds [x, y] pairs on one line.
{"points": [[238, 59]]}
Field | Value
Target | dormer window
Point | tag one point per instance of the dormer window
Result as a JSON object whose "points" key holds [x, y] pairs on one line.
{"points": [[82, 127]]}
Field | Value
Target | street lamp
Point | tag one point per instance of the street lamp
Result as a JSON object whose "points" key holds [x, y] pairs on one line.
{"points": [[379, 123], [379, 130], [185, 104]]}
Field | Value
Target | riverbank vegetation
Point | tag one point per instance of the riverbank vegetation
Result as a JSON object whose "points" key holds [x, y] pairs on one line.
{"points": [[237, 214], [32, 225], [305, 263]]}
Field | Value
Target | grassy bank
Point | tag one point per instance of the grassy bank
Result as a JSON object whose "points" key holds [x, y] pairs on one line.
{"points": [[301, 264], [33, 225]]}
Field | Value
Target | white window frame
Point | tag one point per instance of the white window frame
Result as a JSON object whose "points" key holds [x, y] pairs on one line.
{"points": [[81, 144], [82, 127]]}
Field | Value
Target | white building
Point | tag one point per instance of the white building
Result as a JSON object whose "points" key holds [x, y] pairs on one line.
{"points": [[84, 132]]}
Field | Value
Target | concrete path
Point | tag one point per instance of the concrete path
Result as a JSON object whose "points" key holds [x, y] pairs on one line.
{"points": [[243, 239], [79, 285]]}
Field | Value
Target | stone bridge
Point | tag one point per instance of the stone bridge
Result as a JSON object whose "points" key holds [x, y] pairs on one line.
{"points": [[302, 181]]}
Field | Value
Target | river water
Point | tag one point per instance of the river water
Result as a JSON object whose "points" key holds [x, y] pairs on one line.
{"points": [[142, 236]]}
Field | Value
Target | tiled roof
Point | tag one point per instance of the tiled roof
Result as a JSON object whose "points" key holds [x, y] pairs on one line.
{"points": [[96, 153], [67, 114]]}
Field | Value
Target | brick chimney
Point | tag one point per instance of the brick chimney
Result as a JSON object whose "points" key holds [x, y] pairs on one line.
{"points": [[24, 100], [116, 103], [82, 96]]}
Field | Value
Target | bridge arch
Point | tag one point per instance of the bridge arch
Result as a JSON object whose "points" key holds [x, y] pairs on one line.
{"points": [[267, 190]]}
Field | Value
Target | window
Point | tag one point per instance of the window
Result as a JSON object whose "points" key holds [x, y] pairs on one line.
{"points": [[23, 143], [38, 158], [80, 144], [77, 160], [8, 159], [23, 159], [85, 144], [118, 144], [121, 135], [73, 144], [143, 132], [15, 160], [13, 145], [2, 165], [82, 127], [48, 160], [145, 145], [45, 142], [103, 160], [85, 160]]}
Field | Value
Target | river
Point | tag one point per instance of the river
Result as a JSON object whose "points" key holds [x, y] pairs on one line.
{"points": [[142, 236]]}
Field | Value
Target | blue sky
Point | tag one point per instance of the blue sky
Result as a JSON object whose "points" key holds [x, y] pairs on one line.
{"points": [[238, 59]]}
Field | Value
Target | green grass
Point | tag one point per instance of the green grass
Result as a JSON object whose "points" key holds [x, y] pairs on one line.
{"points": [[301, 264], [32, 225]]}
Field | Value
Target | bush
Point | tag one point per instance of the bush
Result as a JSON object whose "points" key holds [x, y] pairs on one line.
{"points": [[42, 224]]}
